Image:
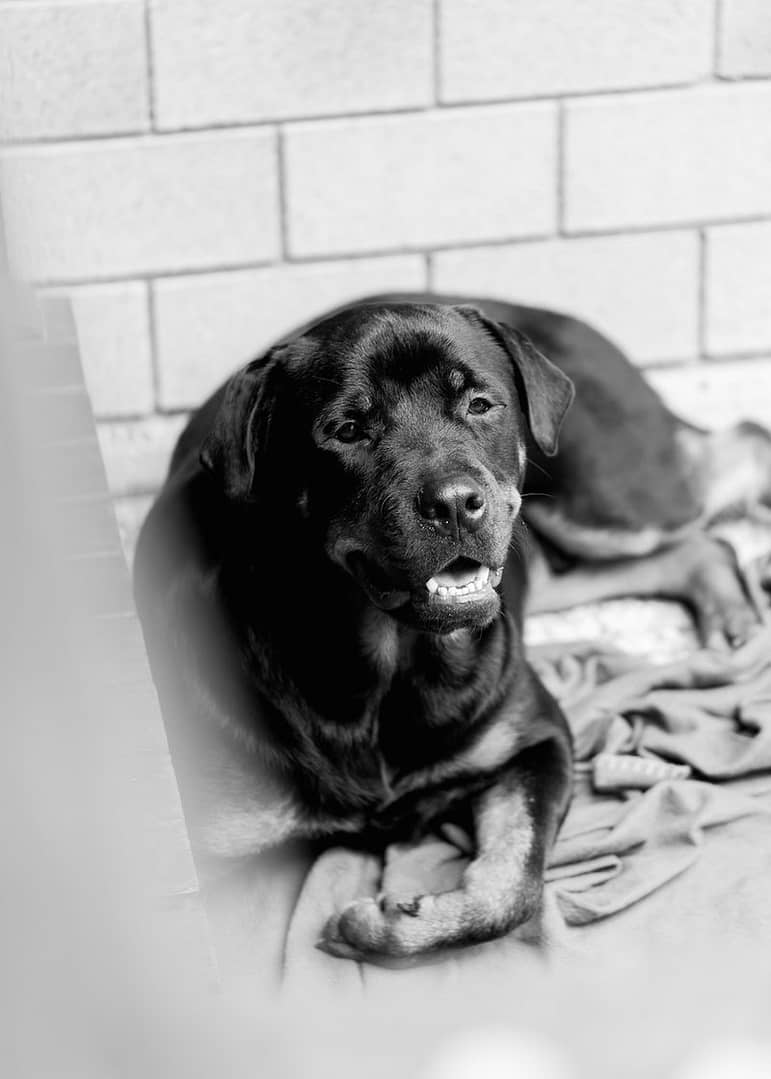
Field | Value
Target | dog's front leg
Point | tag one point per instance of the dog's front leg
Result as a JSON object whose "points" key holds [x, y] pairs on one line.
{"points": [[516, 822]]}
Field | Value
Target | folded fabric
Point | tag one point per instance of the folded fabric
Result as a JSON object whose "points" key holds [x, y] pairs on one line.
{"points": [[616, 771], [654, 734]]}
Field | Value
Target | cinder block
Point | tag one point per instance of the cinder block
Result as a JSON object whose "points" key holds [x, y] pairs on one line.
{"points": [[72, 69], [718, 394], [245, 60], [668, 157], [113, 328], [497, 49], [208, 325], [137, 452], [415, 181], [126, 207], [641, 290], [738, 293], [745, 38]]}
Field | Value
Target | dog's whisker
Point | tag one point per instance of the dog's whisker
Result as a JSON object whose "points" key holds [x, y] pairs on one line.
{"points": [[534, 464]]}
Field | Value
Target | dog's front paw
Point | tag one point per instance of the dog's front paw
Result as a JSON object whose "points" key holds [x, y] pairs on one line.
{"points": [[372, 928]]}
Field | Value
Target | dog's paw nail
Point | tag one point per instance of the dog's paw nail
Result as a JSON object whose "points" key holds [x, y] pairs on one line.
{"points": [[331, 933], [327, 944], [338, 949], [332, 941], [389, 905]]}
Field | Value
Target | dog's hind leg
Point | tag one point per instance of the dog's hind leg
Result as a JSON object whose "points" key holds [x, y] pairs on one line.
{"points": [[699, 571]]}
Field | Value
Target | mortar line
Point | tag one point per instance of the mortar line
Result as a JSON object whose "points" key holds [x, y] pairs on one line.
{"points": [[437, 51], [717, 29], [149, 64], [152, 329], [283, 206], [374, 114], [573, 236], [702, 294], [560, 166], [430, 268]]}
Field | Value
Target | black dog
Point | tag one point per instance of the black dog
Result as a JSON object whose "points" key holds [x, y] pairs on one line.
{"points": [[319, 585]]}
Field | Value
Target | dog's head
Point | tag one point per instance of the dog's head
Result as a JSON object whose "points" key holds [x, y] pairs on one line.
{"points": [[395, 436]]}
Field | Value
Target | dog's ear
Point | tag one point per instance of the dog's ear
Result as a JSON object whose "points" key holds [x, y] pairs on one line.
{"points": [[547, 392], [238, 442]]}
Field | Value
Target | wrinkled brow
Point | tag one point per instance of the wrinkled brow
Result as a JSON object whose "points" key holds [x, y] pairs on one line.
{"points": [[359, 403], [462, 378], [351, 404]]}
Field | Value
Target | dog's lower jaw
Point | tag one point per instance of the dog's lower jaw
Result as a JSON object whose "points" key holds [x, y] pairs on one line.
{"points": [[431, 611], [424, 613]]}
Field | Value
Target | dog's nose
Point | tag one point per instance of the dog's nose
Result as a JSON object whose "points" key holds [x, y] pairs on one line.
{"points": [[453, 504]]}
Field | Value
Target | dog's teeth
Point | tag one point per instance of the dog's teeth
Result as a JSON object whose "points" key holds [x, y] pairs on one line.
{"points": [[483, 577]]}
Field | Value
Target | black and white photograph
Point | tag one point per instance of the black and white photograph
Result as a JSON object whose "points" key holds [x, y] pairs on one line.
{"points": [[385, 559]]}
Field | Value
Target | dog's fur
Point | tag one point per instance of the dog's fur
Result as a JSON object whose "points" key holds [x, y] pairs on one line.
{"points": [[312, 684]]}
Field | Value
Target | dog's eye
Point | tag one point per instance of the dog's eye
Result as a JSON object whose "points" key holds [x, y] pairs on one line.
{"points": [[350, 431], [477, 406]]}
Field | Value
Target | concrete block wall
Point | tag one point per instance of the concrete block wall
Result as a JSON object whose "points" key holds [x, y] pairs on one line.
{"points": [[200, 176]]}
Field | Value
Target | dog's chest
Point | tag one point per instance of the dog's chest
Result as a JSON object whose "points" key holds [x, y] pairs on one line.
{"points": [[412, 718], [416, 730], [406, 741]]}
